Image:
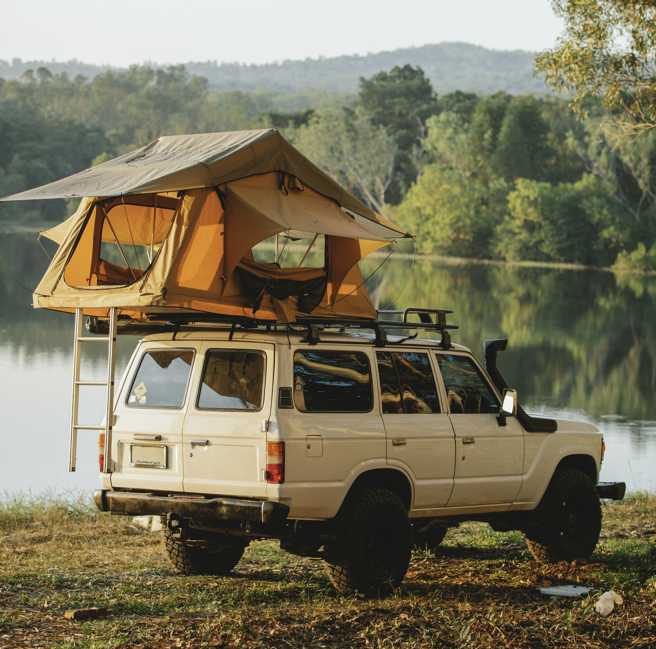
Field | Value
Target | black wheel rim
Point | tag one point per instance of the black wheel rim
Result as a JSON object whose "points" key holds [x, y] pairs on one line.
{"points": [[382, 550], [574, 520]]}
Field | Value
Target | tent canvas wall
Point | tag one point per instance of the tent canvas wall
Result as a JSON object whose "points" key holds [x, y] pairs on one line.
{"points": [[188, 210]]}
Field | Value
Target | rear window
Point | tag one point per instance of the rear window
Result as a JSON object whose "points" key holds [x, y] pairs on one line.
{"points": [[161, 380], [406, 383], [232, 380], [332, 381]]}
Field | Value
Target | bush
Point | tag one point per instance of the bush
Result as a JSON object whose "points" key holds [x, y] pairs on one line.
{"points": [[640, 259], [448, 213], [567, 223]]}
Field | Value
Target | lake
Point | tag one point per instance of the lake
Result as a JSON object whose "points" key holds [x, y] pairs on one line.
{"points": [[582, 346]]}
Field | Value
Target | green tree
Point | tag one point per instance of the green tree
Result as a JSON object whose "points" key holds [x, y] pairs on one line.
{"points": [[566, 164], [449, 142], [486, 122], [400, 101], [626, 168], [466, 139], [608, 50], [569, 222], [459, 102], [639, 259], [522, 149], [34, 151], [448, 213], [352, 150]]}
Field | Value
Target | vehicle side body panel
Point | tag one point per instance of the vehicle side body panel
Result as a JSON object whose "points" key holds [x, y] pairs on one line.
{"points": [[545, 451], [456, 464]]}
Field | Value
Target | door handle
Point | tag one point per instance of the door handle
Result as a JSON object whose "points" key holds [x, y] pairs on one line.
{"points": [[398, 442], [468, 440], [200, 442]]}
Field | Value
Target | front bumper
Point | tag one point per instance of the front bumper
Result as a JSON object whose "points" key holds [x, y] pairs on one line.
{"points": [[225, 509], [611, 490]]}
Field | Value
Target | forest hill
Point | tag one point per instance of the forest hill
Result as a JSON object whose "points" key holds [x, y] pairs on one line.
{"points": [[497, 176]]}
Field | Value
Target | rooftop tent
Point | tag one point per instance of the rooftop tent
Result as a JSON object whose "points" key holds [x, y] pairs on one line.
{"points": [[171, 227]]}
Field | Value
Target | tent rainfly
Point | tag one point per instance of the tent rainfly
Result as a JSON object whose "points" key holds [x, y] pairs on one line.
{"points": [[171, 227]]}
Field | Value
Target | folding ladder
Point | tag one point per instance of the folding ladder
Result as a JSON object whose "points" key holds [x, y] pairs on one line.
{"points": [[109, 383]]}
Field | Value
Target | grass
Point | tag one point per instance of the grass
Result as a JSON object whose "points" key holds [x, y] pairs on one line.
{"points": [[481, 589], [21, 510]]}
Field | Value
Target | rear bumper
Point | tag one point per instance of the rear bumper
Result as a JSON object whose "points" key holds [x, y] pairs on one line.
{"points": [[137, 504], [611, 490]]}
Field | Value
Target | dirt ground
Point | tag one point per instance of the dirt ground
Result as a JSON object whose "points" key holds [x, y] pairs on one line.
{"points": [[480, 589]]}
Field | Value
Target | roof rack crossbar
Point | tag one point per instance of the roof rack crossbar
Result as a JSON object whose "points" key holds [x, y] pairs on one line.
{"points": [[312, 324], [425, 315]]}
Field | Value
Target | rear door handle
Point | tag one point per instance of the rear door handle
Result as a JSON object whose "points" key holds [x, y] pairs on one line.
{"points": [[468, 440], [398, 442], [200, 442]]}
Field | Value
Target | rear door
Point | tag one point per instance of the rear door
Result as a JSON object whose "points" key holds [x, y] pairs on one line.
{"points": [[334, 432], [224, 441], [150, 411]]}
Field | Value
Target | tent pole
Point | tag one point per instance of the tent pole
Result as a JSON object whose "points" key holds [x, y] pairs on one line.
{"points": [[111, 227], [152, 236], [127, 220], [277, 240], [308, 250]]}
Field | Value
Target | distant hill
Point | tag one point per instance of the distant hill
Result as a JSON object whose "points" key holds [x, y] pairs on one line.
{"points": [[449, 66]]}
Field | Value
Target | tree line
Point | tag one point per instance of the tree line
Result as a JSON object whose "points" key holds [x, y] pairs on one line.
{"points": [[496, 176], [448, 65], [517, 178]]}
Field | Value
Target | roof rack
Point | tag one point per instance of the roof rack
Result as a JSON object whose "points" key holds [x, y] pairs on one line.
{"points": [[429, 320]]}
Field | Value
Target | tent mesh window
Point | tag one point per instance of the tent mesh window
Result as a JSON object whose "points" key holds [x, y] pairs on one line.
{"points": [[119, 240]]}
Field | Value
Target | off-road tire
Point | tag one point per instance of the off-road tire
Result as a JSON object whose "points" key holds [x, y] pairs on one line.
{"points": [[430, 539], [200, 561], [374, 543], [568, 519]]}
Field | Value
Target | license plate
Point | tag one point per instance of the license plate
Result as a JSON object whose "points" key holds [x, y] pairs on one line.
{"points": [[150, 456]]}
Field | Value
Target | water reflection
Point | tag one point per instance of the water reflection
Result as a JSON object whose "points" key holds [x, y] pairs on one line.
{"points": [[582, 345]]}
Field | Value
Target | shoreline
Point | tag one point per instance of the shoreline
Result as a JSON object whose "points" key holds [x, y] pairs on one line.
{"points": [[19, 228]]}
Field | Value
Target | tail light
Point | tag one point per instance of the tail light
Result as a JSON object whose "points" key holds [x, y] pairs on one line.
{"points": [[101, 452], [603, 449], [275, 468]]}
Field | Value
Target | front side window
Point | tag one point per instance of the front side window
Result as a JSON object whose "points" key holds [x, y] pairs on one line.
{"points": [[467, 390], [161, 380], [332, 381], [232, 380], [406, 383]]}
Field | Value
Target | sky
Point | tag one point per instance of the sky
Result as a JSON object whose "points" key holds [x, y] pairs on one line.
{"points": [[125, 32]]}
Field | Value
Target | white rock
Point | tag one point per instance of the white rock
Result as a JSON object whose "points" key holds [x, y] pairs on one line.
{"points": [[148, 523], [607, 601]]}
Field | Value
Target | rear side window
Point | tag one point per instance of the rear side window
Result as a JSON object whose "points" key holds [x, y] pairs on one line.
{"points": [[232, 380], [406, 383], [332, 381], [467, 390], [161, 380]]}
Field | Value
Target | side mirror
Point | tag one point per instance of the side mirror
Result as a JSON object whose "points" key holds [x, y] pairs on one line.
{"points": [[509, 404]]}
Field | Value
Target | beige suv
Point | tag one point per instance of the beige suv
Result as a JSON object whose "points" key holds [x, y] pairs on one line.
{"points": [[342, 445]]}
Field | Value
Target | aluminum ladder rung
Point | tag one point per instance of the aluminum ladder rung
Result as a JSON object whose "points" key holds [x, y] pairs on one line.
{"points": [[110, 340]]}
